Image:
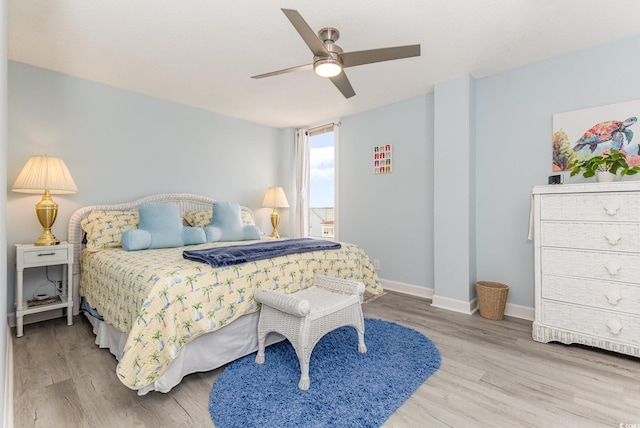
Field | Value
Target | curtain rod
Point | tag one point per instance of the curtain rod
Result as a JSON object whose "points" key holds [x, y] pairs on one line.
{"points": [[322, 127]]}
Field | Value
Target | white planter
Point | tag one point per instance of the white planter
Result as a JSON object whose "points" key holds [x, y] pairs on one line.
{"points": [[605, 176]]}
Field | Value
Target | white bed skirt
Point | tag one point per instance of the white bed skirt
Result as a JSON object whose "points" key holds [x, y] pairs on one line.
{"points": [[205, 353]]}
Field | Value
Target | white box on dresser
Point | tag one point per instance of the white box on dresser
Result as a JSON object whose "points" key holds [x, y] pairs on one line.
{"points": [[587, 265]]}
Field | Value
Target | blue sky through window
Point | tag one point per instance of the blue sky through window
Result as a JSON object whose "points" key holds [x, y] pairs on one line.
{"points": [[322, 170]]}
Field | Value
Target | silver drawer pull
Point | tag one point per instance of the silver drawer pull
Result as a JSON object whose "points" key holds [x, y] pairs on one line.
{"points": [[612, 267], [613, 296], [46, 254], [615, 327], [611, 208], [613, 237]]}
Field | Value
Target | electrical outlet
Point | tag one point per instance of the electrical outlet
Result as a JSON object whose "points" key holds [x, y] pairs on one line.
{"points": [[376, 264]]}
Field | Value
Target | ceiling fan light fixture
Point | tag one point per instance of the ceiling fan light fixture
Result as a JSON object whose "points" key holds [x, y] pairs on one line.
{"points": [[329, 59], [327, 67]]}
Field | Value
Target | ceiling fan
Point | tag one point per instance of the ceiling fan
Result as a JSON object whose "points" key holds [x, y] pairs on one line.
{"points": [[328, 58]]}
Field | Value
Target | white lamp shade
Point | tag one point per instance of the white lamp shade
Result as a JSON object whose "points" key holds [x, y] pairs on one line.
{"points": [[275, 198], [45, 173]]}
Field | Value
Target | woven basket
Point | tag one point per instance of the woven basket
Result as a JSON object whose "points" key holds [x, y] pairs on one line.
{"points": [[492, 298]]}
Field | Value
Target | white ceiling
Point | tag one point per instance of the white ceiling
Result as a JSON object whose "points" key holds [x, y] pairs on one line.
{"points": [[202, 52]]}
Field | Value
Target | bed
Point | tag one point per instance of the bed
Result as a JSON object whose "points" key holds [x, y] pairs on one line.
{"points": [[163, 316]]}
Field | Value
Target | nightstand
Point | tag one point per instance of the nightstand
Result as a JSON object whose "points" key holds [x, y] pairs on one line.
{"points": [[29, 256]]}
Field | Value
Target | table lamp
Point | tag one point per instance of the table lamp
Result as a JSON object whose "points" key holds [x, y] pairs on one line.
{"points": [[51, 176], [275, 198]]}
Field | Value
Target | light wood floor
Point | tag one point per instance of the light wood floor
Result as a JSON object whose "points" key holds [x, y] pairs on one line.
{"points": [[492, 375]]}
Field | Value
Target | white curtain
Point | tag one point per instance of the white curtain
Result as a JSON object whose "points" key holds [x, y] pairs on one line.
{"points": [[302, 184], [336, 178]]}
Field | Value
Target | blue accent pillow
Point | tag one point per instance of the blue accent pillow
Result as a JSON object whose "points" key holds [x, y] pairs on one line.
{"points": [[193, 235], [251, 232], [163, 222], [212, 233], [226, 217], [227, 224], [136, 239], [161, 227]]}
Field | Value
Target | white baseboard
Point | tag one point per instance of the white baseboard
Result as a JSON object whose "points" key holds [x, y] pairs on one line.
{"points": [[455, 305], [412, 290], [8, 382], [519, 311], [461, 306]]}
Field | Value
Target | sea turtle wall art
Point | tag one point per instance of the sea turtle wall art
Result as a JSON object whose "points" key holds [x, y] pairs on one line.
{"points": [[582, 134]]}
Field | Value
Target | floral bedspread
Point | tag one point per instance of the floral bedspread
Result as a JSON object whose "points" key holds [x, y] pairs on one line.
{"points": [[164, 301]]}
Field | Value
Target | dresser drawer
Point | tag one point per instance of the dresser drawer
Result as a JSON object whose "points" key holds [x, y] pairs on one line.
{"points": [[604, 324], [591, 236], [591, 206], [602, 265], [45, 256], [610, 295]]}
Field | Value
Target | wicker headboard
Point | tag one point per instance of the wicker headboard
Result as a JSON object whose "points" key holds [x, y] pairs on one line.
{"points": [[185, 201]]}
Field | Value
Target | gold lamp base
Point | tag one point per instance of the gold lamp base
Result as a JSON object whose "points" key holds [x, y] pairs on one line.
{"points": [[275, 221], [47, 238], [47, 211]]}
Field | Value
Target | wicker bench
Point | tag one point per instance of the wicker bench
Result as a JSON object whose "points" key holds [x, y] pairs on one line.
{"points": [[304, 317]]}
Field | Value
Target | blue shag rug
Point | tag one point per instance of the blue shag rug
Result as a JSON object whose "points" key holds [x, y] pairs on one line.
{"points": [[348, 389]]}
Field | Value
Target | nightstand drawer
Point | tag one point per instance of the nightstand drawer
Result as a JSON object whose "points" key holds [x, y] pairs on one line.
{"points": [[46, 255]]}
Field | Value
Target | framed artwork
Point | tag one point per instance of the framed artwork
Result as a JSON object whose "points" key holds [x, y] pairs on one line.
{"points": [[582, 134], [382, 159]]}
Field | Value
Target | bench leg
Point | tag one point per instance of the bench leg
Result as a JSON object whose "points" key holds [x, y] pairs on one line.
{"points": [[305, 382], [362, 348], [260, 355]]}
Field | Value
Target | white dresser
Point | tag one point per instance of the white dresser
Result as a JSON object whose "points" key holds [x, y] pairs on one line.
{"points": [[587, 265]]}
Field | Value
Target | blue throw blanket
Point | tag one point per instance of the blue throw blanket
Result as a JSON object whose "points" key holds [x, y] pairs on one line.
{"points": [[227, 256]]}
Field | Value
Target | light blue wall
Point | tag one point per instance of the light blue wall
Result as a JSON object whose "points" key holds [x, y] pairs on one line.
{"points": [[390, 215], [454, 179], [119, 145], [287, 180], [514, 128], [6, 414]]}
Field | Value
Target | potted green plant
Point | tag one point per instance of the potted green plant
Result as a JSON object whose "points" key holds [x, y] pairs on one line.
{"points": [[606, 164]]}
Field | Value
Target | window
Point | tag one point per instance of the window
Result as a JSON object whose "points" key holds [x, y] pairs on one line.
{"points": [[322, 182]]}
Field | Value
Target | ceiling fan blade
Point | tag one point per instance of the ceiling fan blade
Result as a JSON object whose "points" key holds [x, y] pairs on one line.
{"points": [[286, 70], [351, 59], [307, 34], [343, 84]]}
